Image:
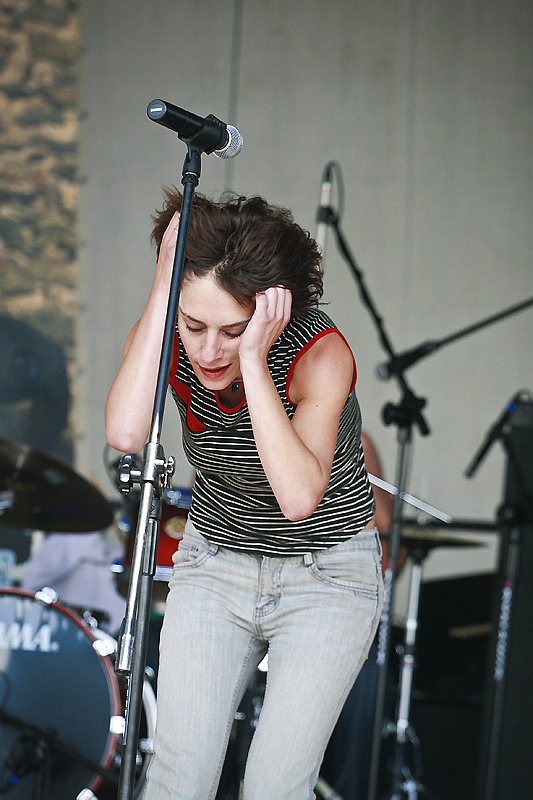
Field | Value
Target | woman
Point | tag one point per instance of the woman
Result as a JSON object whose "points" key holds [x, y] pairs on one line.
{"points": [[280, 552]]}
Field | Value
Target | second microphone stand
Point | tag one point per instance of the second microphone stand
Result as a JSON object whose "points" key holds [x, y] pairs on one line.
{"points": [[405, 415]]}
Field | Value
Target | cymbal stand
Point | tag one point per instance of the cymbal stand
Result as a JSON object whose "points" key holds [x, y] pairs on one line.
{"points": [[404, 416], [154, 476], [404, 780]]}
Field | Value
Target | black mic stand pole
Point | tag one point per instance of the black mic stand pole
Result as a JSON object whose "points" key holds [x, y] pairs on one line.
{"points": [[404, 415], [154, 477]]}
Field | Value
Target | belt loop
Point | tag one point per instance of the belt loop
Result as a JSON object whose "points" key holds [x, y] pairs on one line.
{"points": [[308, 559]]}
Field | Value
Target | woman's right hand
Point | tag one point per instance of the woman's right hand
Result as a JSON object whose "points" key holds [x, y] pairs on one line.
{"points": [[165, 261]]}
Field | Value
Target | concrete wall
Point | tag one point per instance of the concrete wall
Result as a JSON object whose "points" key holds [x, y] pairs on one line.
{"points": [[427, 108]]}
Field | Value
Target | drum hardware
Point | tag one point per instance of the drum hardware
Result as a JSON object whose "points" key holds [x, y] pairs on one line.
{"points": [[175, 505], [410, 499], [479, 525], [61, 705], [419, 540], [32, 753], [38, 492], [325, 791], [406, 743], [91, 616]]}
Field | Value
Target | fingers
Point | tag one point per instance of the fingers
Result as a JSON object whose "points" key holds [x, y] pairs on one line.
{"points": [[275, 303], [167, 250], [171, 233], [271, 315]]}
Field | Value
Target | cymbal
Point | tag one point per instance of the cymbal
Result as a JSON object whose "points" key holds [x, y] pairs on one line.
{"points": [[422, 536], [37, 492], [481, 525]]}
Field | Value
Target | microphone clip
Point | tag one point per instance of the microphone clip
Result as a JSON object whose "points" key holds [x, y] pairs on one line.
{"points": [[326, 215], [208, 137]]}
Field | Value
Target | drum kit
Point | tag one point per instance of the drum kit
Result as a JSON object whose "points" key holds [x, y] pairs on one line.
{"points": [[62, 706]]}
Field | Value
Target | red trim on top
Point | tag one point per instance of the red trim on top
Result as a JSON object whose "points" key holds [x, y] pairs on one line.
{"points": [[306, 347], [183, 390], [175, 360]]}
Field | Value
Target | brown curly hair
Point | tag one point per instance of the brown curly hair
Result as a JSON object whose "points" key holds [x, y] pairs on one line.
{"points": [[248, 245]]}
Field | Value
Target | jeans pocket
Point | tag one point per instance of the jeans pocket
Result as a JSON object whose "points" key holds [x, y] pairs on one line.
{"points": [[356, 570], [194, 550]]}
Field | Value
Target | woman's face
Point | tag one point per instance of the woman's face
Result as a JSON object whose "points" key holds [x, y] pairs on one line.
{"points": [[210, 323]]}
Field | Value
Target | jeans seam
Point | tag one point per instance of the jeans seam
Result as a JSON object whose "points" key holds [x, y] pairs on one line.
{"points": [[234, 705]]}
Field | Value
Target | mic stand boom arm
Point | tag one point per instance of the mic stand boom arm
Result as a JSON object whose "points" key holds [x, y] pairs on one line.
{"points": [[154, 477], [409, 358]]}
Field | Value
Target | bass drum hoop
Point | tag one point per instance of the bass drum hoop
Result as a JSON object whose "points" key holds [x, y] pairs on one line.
{"points": [[107, 759]]}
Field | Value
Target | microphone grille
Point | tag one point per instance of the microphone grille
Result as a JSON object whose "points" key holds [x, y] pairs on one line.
{"points": [[233, 146]]}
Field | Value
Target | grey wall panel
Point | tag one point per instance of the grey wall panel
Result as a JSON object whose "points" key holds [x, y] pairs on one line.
{"points": [[427, 108]]}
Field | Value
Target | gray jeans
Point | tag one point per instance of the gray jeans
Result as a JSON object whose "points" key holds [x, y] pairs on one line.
{"points": [[316, 614]]}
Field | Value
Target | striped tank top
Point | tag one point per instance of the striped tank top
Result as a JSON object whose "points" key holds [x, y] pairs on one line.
{"points": [[232, 503]]}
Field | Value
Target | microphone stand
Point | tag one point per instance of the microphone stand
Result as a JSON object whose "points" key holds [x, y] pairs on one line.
{"points": [[154, 476], [404, 415]]}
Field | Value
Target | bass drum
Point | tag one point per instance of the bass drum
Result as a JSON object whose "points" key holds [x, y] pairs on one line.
{"points": [[174, 512], [61, 704]]}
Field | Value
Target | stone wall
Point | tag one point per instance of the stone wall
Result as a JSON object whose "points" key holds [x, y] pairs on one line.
{"points": [[39, 132]]}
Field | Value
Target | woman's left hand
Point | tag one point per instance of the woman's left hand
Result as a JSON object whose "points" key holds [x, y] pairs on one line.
{"points": [[271, 315]]}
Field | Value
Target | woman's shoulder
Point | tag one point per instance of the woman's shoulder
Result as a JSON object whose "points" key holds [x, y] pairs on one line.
{"points": [[302, 329], [314, 318], [312, 328], [325, 358]]}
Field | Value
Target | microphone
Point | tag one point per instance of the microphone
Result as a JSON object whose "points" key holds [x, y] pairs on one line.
{"points": [[399, 363], [324, 212], [223, 140], [494, 433]]}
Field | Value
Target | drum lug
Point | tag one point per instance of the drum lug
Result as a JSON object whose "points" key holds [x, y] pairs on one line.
{"points": [[86, 794], [47, 595], [117, 724], [105, 646]]}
